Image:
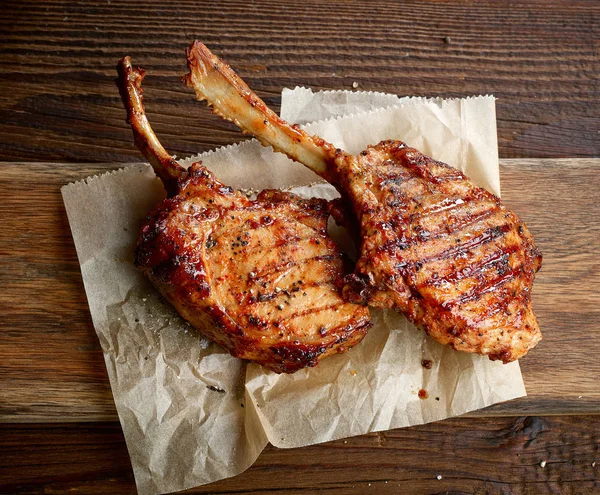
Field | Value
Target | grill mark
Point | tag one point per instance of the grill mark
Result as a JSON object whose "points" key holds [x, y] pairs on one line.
{"points": [[440, 207], [447, 178], [461, 226], [424, 235], [312, 311], [488, 286], [409, 173], [408, 190], [472, 270], [279, 268], [415, 240], [422, 166], [473, 195], [397, 179], [486, 237], [466, 200], [385, 179]]}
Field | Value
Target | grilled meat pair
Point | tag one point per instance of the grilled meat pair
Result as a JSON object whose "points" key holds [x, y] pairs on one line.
{"points": [[263, 279]]}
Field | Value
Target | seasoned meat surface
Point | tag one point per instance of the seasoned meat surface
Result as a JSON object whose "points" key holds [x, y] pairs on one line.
{"points": [[446, 253], [258, 277], [261, 277], [433, 245]]}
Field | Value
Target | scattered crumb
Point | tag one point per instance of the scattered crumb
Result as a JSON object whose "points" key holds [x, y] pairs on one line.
{"points": [[353, 372], [355, 85], [439, 476], [423, 394], [543, 464], [594, 464], [385, 482], [369, 484], [144, 299], [447, 39], [282, 439], [345, 441], [580, 397]]}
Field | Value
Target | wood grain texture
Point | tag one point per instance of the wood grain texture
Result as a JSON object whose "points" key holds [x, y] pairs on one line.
{"points": [[51, 364], [57, 59], [58, 103], [479, 456]]}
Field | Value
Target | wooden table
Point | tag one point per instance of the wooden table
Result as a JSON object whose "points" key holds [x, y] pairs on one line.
{"points": [[61, 120]]}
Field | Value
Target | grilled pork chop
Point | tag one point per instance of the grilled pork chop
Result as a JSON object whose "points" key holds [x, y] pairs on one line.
{"points": [[433, 245], [259, 277]]}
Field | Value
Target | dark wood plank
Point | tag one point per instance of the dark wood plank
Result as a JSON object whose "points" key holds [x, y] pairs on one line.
{"points": [[557, 200], [57, 59], [51, 364], [500, 455]]}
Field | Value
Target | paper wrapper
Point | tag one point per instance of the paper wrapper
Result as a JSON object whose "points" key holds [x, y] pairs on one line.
{"points": [[191, 413]]}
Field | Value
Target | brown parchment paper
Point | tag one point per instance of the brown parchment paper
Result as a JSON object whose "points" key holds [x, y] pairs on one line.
{"points": [[192, 414]]}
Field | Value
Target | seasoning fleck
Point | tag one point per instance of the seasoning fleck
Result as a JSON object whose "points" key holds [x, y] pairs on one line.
{"points": [[355, 85], [543, 464], [215, 389], [423, 394], [426, 363]]}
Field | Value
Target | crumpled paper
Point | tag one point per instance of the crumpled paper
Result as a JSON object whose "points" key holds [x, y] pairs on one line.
{"points": [[191, 413]]}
